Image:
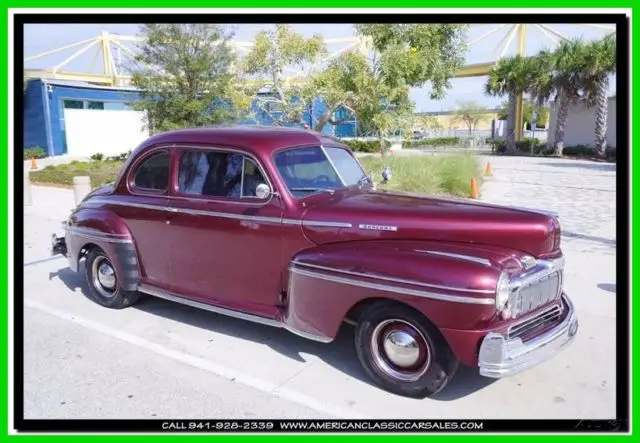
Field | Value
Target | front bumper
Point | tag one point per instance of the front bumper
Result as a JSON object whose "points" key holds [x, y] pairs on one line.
{"points": [[500, 356]]}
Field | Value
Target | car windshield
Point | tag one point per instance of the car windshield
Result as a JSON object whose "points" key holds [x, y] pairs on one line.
{"points": [[318, 169]]}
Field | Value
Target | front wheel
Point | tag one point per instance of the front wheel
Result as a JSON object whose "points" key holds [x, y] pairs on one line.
{"points": [[402, 352]]}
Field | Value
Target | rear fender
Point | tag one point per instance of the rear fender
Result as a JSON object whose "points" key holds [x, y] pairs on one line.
{"points": [[325, 282], [89, 227]]}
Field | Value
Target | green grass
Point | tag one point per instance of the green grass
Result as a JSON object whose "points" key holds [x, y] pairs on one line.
{"points": [[426, 174], [100, 172]]}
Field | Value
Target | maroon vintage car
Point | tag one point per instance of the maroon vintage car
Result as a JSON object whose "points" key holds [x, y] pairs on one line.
{"points": [[284, 228]]}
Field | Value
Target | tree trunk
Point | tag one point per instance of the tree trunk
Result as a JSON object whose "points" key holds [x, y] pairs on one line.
{"points": [[510, 138], [322, 122], [563, 113], [602, 111]]}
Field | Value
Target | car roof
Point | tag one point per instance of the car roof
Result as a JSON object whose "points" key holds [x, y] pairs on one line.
{"points": [[258, 140]]}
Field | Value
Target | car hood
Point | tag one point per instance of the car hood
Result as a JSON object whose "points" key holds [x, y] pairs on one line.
{"points": [[380, 214]]}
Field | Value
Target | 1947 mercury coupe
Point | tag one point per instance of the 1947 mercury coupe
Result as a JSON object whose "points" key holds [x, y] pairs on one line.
{"points": [[284, 227]]}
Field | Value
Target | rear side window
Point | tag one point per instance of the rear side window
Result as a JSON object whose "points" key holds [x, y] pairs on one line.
{"points": [[153, 173]]}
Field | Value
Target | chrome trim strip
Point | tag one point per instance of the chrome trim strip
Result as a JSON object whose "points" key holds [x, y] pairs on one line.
{"points": [[392, 279], [99, 236], [404, 291], [500, 357], [326, 224], [255, 218], [324, 151], [482, 261], [156, 292]]}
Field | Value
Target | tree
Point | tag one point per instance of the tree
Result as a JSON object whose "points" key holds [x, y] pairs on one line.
{"points": [[427, 122], [274, 52], [510, 76], [185, 76], [375, 84], [470, 114], [600, 63], [568, 66]]}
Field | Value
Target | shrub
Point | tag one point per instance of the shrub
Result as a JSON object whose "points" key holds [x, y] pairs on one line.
{"points": [[100, 172], [119, 158], [426, 174], [522, 147], [436, 141], [34, 152], [97, 156], [610, 153], [579, 151], [363, 145]]}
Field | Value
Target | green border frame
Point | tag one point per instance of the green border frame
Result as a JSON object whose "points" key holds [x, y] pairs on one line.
{"points": [[7, 99]]}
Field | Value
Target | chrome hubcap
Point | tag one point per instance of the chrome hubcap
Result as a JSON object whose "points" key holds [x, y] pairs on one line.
{"points": [[400, 350], [104, 277]]}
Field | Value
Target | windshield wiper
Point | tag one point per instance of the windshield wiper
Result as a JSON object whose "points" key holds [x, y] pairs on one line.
{"points": [[313, 190]]}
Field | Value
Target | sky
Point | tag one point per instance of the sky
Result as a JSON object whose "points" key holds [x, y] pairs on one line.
{"points": [[39, 38]]}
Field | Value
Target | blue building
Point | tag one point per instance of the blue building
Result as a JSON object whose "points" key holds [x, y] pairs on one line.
{"points": [[45, 102]]}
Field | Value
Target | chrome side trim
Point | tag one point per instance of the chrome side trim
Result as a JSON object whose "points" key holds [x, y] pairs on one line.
{"points": [[99, 236], [482, 261], [326, 224], [255, 218], [156, 292], [393, 279], [404, 291]]}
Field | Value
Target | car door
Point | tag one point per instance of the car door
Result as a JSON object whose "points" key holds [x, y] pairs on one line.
{"points": [[143, 206], [225, 242]]}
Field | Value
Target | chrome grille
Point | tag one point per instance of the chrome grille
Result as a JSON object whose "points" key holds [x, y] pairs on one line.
{"points": [[530, 327], [535, 292]]}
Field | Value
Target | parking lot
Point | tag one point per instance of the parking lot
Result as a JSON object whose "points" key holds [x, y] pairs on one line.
{"points": [[164, 360]]}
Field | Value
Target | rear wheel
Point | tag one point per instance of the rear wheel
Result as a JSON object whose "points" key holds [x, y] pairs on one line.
{"points": [[402, 351], [104, 284]]}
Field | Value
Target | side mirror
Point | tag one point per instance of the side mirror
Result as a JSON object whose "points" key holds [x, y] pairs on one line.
{"points": [[262, 191]]}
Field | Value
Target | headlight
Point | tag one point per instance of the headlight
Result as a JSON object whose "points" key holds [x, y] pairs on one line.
{"points": [[502, 291]]}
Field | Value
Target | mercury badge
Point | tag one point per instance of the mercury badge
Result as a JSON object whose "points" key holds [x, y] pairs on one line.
{"points": [[378, 227]]}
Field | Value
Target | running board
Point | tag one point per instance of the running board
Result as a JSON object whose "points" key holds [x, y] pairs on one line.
{"points": [[160, 293]]}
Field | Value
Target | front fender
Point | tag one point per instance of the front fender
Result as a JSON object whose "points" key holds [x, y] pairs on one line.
{"points": [[106, 230], [452, 285]]}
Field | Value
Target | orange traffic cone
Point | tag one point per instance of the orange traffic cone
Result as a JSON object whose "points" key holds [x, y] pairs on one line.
{"points": [[487, 171], [33, 163], [474, 188]]}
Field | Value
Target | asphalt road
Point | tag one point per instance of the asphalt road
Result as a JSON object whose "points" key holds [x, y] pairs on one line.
{"points": [[160, 359]]}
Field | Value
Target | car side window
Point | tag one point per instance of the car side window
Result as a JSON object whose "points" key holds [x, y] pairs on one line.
{"points": [[153, 173], [217, 174]]}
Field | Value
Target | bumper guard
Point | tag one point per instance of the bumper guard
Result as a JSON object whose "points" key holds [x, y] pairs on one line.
{"points": [[501, 357]]}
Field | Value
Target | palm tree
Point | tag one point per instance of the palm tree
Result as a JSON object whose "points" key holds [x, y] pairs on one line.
{"points": [[568, 63], [509, 76], [600, 63], [541, 87]]}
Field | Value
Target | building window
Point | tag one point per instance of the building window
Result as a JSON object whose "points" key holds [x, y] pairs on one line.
{"points": [[73, 104], [95, 105]]}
